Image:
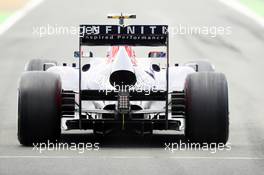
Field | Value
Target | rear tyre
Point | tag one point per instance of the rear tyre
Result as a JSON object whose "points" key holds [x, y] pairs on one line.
{"points": [[38, 64], [39, 107], [207, 107]]}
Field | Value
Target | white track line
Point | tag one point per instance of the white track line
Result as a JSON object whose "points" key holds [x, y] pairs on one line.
{"points": [[235, 4], [10, 21], [134, 157]]}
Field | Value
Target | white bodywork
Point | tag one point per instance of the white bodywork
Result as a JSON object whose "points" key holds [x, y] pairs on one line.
{"points": [[97, 77]]}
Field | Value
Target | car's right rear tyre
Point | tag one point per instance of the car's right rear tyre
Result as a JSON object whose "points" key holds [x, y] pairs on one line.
{"points": [[207, 117], [39, 107]]}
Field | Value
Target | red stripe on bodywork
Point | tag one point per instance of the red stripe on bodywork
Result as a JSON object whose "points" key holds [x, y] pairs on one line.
{"points": [[114, 50]]}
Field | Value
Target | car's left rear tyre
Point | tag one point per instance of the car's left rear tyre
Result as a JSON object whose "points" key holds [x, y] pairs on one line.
{"points": [[39, 107]]}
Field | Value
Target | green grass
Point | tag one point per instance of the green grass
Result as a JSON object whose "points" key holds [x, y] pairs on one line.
{"points": [[256, 5], [3, 16]]}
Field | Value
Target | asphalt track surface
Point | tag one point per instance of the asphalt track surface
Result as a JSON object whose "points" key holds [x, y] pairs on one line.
{"points": [[239, 56]]}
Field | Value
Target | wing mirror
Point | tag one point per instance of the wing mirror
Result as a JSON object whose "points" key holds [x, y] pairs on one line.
{"points": [[157, 54], [84, 54]]}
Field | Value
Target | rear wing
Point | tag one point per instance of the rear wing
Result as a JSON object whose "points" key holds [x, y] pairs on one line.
{"points": [[135, 35]]}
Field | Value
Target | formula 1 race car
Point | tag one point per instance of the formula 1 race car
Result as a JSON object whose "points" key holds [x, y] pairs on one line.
{"points": [[121, 92]]}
